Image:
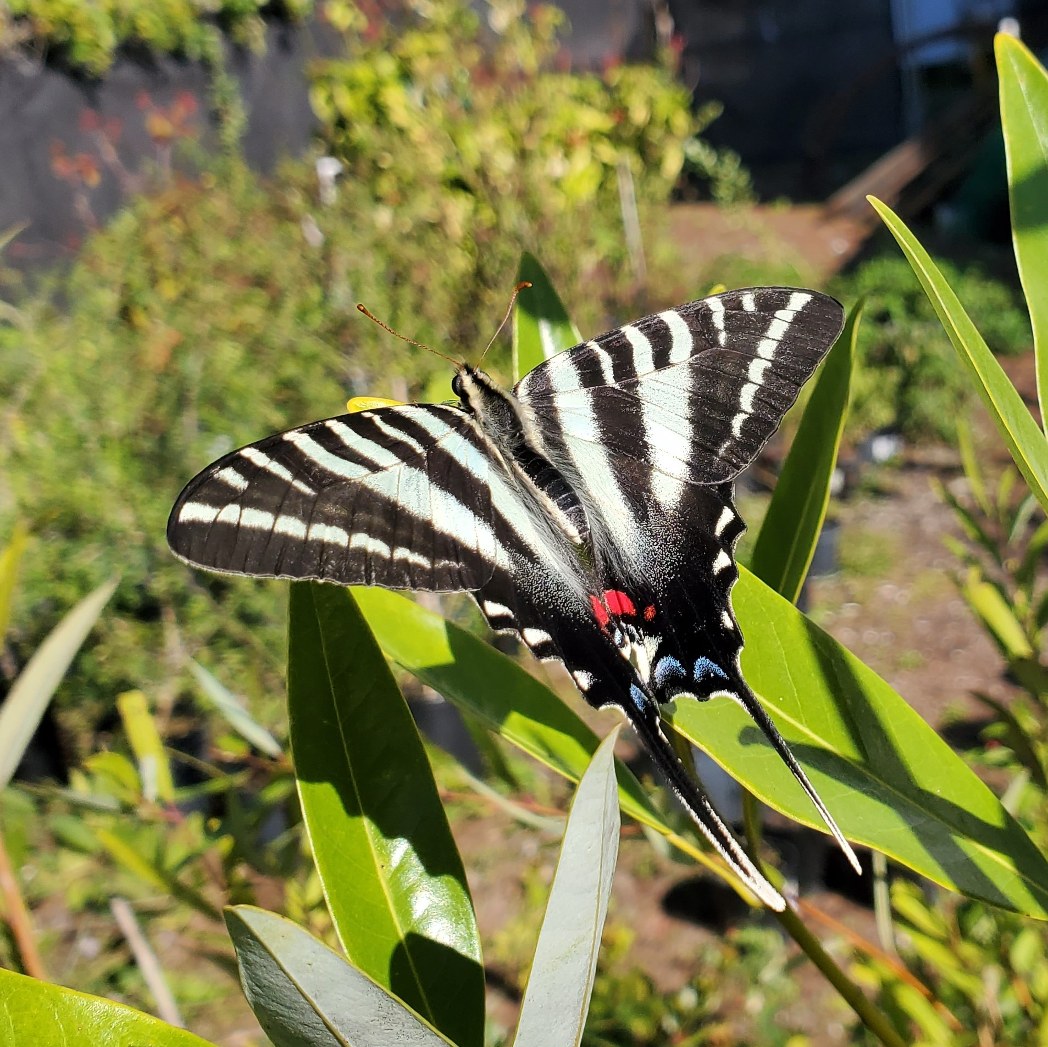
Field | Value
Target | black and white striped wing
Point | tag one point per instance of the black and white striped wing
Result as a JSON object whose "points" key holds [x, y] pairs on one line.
{"points": [[398, 496], [692, 394]]}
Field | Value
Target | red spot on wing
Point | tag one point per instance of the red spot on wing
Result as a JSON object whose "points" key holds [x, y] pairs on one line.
{"points": [[619, 603], [614, 602], [649, 612], [599, 611]]}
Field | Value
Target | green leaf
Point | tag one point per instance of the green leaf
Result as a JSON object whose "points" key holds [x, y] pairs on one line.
{"points": [[991, 605], [1024, 120], [786, 543], [26, 701], [890, 781], [305, 995], [39, 1014], [234, 713], [557, 997], [391, 874], [146, 868], [154, 768], [541, 327], [495, 689], [9, 561], [1026, 442]]}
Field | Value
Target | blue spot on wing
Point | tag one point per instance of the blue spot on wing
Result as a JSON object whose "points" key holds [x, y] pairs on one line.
{"points": [[667, 670], [639, 698], [705, 668]]}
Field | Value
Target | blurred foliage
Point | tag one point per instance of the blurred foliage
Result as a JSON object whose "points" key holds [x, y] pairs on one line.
{"points": [[975, 974], [908, 376], [743, 985], [87, 36], [474, 146]]}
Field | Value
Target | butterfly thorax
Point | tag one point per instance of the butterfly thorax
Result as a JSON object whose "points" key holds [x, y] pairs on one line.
{"points": [[500, 417]]}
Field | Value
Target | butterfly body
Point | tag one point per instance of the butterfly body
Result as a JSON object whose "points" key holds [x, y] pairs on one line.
{"points": [[589, 510]]}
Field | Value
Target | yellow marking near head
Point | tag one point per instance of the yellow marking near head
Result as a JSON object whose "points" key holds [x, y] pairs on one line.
{"points": [[370, 403]]}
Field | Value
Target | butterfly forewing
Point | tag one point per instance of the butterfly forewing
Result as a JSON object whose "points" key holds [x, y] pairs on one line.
{"points": [[399, 497]]}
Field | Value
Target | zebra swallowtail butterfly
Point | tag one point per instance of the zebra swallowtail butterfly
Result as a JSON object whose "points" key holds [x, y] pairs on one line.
{"points": [[590, 511]]}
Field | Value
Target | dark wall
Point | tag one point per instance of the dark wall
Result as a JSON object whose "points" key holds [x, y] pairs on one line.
{"points": [[53, 122], [780, 70]]}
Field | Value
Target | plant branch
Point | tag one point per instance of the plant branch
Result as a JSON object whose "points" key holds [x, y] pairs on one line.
{"points": [[18, 918]]}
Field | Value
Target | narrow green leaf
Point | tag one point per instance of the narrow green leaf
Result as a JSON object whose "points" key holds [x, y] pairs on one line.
{"points": [[991, 605], [1024, 120], [26, 701], [10, 558], [557, 997], [541, 327], [973, 472], [786, 543], [39, 1014], [154, 768], [150, 872], [393, 879], [306, 995], [234, 713], [1026, 442], [888, 779]]}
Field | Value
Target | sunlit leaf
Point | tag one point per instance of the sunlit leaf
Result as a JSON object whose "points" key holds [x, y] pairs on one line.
{"points": [[28, 698], [394, 882], [541, 327], [1024, 120], [39, 1014], [888, 779], [786, 543]]}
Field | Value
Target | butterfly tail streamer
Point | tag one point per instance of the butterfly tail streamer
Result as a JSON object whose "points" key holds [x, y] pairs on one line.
{"points": [[702, 811], [749, 701]]}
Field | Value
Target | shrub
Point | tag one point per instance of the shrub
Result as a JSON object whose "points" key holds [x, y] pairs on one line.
{"points": [[908, 376]]}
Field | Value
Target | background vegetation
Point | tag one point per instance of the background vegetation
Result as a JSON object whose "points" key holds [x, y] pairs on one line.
{"points": [[220, 307]]}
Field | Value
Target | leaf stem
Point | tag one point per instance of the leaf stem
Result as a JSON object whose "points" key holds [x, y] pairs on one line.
{"points": [[18, 918], [874, 1020]]}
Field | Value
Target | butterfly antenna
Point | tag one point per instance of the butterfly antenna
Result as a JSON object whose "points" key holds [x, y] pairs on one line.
{"points": [[403, 337], [522, 286], [749, 701]]}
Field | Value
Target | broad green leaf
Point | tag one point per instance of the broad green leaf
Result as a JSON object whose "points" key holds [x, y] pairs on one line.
{"points": [[26, 701], [9, 561], [501, 694], [154, 768], [557, 997], [234, 712], [889, 780], [391, 874], [1024, 120], [541, 327], [305, 995], [786, 543], [39, 1014], [1026, 442]]}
